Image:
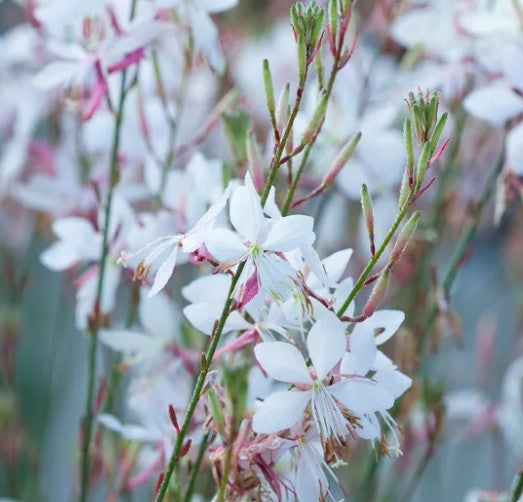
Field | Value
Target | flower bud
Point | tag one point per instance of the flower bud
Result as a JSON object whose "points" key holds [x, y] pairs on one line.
{"points": [[423, 163], [438, 131], [409, 145], [333, 17], [282, 108], [216, 410], [254, 160], [368, 215], [302, 56], [404, 190], [317, 118], [377, 294], [404, 237], [341, 160], [269, 88]]}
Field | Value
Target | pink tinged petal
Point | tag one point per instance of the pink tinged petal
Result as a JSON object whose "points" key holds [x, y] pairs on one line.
{"points": [[281, 410], [164, 273], [495, 103], [248, 337], [363, 348], [248, 290], [290, 233], [225, 246], [361, 395], [282, 361], [245, 210], [393, 381], [97, 94], [326, 343], [130, 59]]}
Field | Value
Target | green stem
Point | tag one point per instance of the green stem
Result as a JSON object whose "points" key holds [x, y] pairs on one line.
{"points": [[94, 326], [196, 468], [517, 491], [368, 269], [306, 153], [195, 398]]}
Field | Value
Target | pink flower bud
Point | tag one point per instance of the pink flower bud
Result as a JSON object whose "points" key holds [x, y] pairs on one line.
{"points": [[340, 161], [377, 294]]}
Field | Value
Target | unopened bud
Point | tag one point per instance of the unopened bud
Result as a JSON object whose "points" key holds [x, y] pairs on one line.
{"points": [[185, 448], [302, 56], [333, 17], [203, 363], [216, 411], [340, 161], [174, 419], [377, 294], [282, 107], [423, 163], [409, 144], [316, 120], [438, 131], [254, 160], [368, 215], [404, 190], [269, 88], [404, 237]]}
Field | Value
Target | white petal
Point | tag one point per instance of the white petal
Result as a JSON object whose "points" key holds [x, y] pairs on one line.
{"points": [[361, 395], [393, 381], [282, 361], [59, 256], [224, 245], [289, 233], [495, 103], [208, 289], [369, 427], [326, 343], [383, 324], [515, 149], [218, 5], [203, 316], [279, 411], [126, 341], [336, 264], [159, 316], [363, 348], [164, 272], [245, 210]]}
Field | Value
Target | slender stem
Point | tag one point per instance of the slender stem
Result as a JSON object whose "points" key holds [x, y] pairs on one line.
{"points": [[306, 153], [95, 324], [195, 398], [461, 248], [368, 269], [225, 476], [517, 491], [196, 468], [94, 327]]}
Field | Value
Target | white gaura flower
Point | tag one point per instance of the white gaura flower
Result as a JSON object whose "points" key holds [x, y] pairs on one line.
{"points": [[164, 250], [364, 357], [77, 241], [204, 32], [326, 344], [260, 242]]}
